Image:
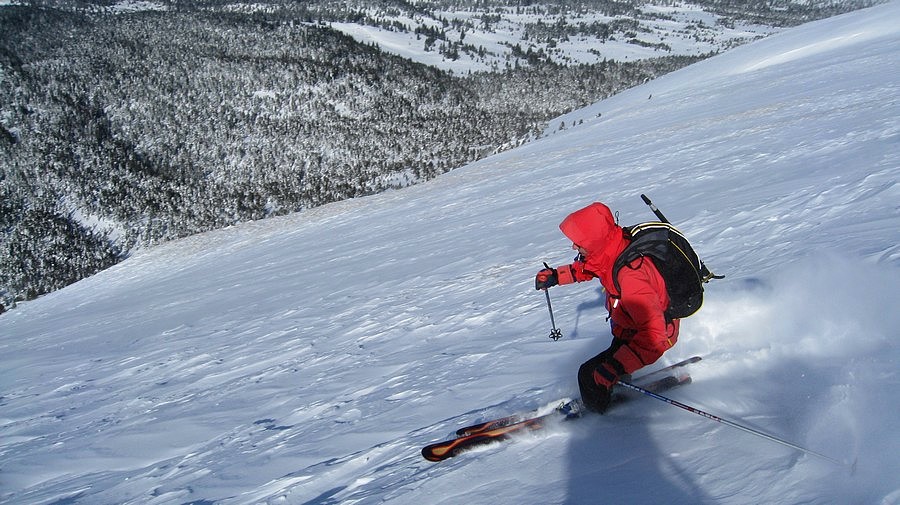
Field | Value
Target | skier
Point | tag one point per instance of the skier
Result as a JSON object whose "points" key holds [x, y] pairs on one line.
{"points": [[640, 329]]}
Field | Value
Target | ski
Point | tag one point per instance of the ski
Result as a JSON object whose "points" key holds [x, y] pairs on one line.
{"points": [[572, 409], [515, 418], [665, 370]]}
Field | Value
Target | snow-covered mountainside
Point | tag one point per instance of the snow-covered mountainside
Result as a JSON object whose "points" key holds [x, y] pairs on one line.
{"points": [[306, 359], [493, 38]]}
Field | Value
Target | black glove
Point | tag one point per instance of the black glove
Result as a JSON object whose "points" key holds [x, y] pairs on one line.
{"points": [[546, 278]]}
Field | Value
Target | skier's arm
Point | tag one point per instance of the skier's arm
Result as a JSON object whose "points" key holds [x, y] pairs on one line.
{"points": [[563, 274]]}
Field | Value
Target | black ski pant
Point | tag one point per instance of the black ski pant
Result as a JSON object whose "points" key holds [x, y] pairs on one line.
{"points": [[595, 396]]}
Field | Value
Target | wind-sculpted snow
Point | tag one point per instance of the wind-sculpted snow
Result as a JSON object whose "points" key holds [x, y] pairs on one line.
{"points": [[306, 359]]}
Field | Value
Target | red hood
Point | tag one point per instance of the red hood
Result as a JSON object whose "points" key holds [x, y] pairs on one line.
{"points": [[594, 229]]}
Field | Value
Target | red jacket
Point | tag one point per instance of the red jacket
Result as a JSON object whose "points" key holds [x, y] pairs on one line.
{"points": [[637, 312]]}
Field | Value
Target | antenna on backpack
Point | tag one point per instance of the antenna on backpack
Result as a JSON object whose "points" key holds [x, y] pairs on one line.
{"points": [[705, 274], [656, 211]]}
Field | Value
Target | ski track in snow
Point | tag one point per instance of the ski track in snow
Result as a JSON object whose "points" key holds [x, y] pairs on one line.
{"points": [[306, 359]]}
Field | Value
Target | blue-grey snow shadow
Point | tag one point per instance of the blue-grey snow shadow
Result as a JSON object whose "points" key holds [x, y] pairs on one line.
{"points": [[594, 309], [611, 456]]}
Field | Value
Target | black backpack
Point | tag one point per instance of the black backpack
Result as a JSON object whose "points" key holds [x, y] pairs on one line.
{"points": [[680, 267]]}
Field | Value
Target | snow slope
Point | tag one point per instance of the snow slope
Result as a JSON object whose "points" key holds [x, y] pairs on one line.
{"points": [[306, 359], [684, 29]]}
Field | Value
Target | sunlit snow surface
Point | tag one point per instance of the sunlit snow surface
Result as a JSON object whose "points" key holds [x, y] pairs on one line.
{"points": [[306, 359], [679, 29]]}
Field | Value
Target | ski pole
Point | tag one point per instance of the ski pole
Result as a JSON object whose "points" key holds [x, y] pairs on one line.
{"points": [[555, 333], [851, 466]]}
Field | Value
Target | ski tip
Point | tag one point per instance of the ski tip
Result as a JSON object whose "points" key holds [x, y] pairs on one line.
{"points": [[437, 452]]}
